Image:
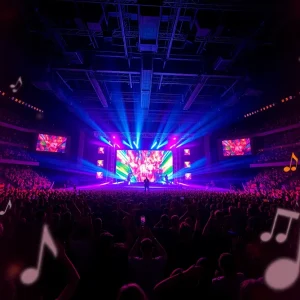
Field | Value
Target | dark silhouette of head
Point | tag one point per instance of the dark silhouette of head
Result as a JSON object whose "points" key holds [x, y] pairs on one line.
{"points": [[227, 264], [175, 222], [176, 272], [252, 289], [131, 291], [164, 221], [146, 247], [97, 226]]}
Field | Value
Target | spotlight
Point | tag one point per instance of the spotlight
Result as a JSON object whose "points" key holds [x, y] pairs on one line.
{"points": [[187, 164], [291, 97], [100, 163], [136, 145], [282, 100], [114, 137], [154, 145], [101, 150], [186, 152], [174, 138]]}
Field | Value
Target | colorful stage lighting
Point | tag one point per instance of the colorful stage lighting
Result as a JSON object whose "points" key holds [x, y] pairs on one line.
{"points": [[187, 164], [100, 163], [99, 175], [186, 152], [155, 143], [188, 176], [101, 150], [136, 145]]}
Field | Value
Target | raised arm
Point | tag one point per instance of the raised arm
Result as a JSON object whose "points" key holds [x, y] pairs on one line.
{"points": [[208, 225], [135, 249], [73, 278]]}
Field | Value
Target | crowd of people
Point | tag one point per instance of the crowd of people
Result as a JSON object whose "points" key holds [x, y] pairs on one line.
{"points": [[8, 116], [273, 179], [138, 246], [274, 155], [26, 178], [282, 138], [15, 153], [13, 136], [281, 122]]}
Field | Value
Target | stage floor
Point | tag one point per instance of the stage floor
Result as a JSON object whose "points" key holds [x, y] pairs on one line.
{"points": [[154, 187]]}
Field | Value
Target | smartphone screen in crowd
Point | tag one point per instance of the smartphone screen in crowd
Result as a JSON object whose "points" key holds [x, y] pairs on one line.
{"points": [[143, 220]]}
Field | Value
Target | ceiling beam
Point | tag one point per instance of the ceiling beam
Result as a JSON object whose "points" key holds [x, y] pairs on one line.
{"points": [[97, 88], [122, 29], [196, 4], [195, 93], [134, 34], [84, 69], [172, 35]]}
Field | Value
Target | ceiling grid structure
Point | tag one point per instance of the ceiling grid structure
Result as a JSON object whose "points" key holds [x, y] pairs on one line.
{"points": [[166, 55]]}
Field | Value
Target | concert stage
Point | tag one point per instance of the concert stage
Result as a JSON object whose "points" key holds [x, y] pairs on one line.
{"points": [[154, 187]]}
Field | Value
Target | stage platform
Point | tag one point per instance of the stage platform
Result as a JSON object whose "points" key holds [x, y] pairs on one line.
{"points": [[154, 187]]}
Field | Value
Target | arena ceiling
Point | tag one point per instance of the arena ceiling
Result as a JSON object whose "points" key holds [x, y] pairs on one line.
{"points": [[114, 58]]}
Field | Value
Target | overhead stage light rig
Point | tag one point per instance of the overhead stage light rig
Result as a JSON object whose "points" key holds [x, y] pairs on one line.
{"points": [[144, 135]]}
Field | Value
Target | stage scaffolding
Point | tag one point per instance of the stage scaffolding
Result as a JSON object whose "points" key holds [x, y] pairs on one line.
{"points": [[143, 135]]}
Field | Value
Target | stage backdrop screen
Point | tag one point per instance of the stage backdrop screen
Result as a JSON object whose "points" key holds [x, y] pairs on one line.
{"points": [[236, 147], [141, 163], [51, 143]]}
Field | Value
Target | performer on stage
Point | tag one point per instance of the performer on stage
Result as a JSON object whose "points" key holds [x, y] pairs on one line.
{"points": [[146, 184], [129, 178], [167, 179]]}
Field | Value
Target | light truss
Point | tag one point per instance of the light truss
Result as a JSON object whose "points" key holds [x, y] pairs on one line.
{"points": [[124, 71], [134, 34], [193, 4], [143, 135]]}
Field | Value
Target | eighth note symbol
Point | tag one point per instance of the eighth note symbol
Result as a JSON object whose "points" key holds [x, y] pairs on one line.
{"points": [[30, 275], [8, 205], [283, 272], [16, 87], [292, 168]]}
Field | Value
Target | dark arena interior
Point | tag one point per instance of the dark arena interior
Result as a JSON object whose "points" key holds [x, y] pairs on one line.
{"points": [[149, 149]]}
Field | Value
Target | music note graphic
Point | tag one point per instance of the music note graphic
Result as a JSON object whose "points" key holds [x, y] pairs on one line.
{"points": [[30, 275], [281, 237], [292, 168], [283, 272], [16, 87], [8, 205]]}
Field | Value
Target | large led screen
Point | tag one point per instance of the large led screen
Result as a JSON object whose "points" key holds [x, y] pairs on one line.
{"points": [[140, 164], [51, 143], [236, 147]]}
